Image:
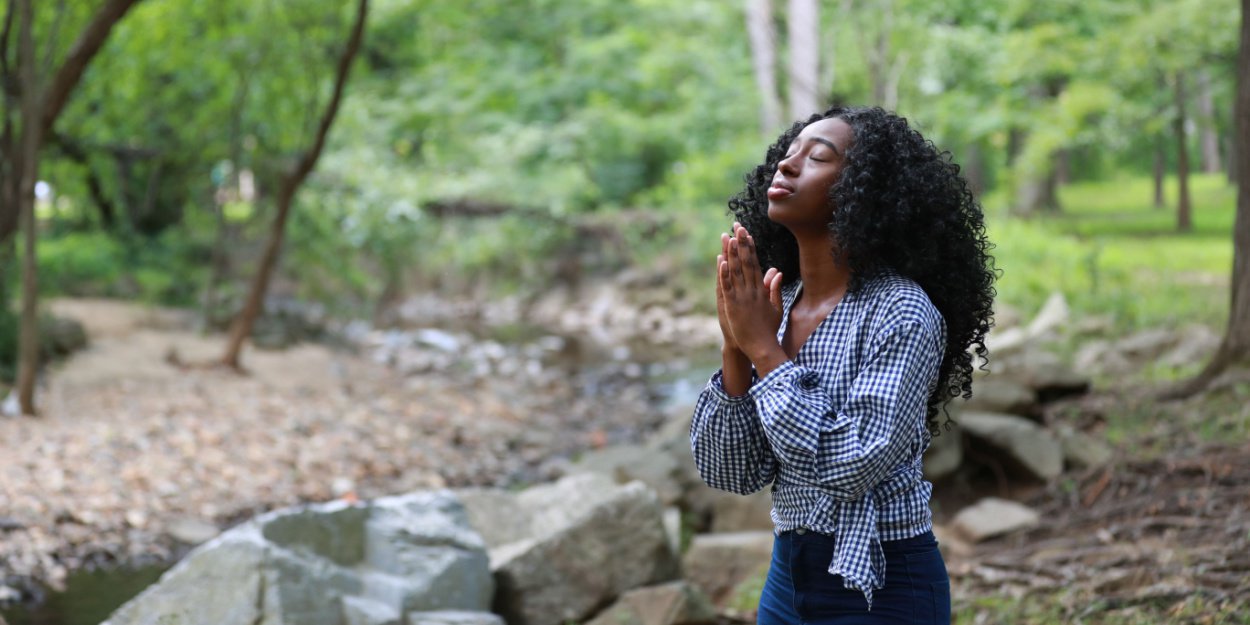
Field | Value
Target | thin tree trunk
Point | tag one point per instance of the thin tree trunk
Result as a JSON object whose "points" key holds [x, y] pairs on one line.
{"points": [[1209, 139], [878, 57], [1235, 346], [1184, 208], [1159, 172], [66, 78], [242, 326], [28, 334], [759, 22], [803, 24]]}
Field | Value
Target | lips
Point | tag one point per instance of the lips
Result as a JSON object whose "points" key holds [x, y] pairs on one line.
{"points": [[780, 189]]}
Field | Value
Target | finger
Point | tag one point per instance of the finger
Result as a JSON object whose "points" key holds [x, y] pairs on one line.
{"points": [[723, 274], [753, 260], [768, 276], [750, 268], [720, 290], [735, 262], [724, 244], [774, 290]]}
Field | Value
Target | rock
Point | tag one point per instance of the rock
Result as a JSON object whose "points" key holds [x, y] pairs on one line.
{"points": [[9, 594], [327, 564], [453, 618], [361, 611], [502, 517], [716, 563], [993, 517], [1046, 374], [220, 583], [739, 513], [1020, 442], [1005, 341], [1197, 344], [61, 336], [995, 393], [944, 455], [1082, 451], [674, 603], [625, 463], [1146, 345], [568, 569], [191, 531], [1053, 314]]}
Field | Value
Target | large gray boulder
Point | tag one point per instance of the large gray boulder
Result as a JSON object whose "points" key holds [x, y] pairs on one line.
{"points": [[572, 546], [327, 564], [1021, 444]]}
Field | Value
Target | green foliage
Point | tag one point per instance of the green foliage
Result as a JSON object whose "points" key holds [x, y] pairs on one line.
{"points": [[1116, 255]]}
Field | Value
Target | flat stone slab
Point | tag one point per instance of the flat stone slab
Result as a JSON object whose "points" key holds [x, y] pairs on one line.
{"points": [[992, 517]]}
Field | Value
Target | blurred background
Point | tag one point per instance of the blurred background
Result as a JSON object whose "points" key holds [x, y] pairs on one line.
{"points": [[269, 227]]}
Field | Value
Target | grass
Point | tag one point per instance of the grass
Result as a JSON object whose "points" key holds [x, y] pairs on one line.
{"points": [[1111, 253]]}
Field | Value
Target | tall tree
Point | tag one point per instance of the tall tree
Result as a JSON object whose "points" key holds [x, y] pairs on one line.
{"points": [[1184, 205], [32, 120], [803, 24], [289, 185], [1234, 348], [1210, 140], [763, 37]]}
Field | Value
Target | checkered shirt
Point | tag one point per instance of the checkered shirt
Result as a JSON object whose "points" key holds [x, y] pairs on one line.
{"points": [[839, 430]]}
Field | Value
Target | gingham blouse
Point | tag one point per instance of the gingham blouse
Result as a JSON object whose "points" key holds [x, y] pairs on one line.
{"points": [[839, 430]]}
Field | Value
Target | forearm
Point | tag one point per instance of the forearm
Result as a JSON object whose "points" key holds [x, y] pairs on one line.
{"points": [[735, 371]]}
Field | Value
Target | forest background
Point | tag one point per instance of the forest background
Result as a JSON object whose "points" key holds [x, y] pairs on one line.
{"points": [[498, 150]]}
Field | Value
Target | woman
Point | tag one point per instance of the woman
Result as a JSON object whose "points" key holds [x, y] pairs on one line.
{"points": [[837, 360]]}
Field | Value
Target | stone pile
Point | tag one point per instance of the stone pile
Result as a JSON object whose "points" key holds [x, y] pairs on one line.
{"points": [[629, 535]]}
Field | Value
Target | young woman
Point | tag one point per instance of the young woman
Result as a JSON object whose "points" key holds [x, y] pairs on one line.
{"points": [[838, 358]]}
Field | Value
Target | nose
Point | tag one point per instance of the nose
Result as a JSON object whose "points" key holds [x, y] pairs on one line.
{"points": [[788, 166]]}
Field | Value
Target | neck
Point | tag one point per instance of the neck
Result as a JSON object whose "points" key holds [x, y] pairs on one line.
{"points": [[824, 278]]}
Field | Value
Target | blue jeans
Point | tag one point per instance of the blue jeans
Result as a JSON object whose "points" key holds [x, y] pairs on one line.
{"points": [[801, 591]]}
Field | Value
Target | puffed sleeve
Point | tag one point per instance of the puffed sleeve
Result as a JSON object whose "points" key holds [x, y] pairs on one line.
{"points": [[730, 448]]}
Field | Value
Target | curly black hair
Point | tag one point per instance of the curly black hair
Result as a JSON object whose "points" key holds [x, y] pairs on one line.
{"points": [[901, 205]]}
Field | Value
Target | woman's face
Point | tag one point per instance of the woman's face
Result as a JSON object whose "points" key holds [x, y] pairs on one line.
{"points": [[799, 196]]}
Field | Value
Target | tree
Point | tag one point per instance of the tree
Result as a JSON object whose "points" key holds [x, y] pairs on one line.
{"points": [[803, 24], [1184, 206], [1234, 348], [759, 22], [33, 120], [288, 186]]}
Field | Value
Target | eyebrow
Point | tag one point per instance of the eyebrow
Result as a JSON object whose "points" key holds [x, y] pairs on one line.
{"points": [[820, 140]]}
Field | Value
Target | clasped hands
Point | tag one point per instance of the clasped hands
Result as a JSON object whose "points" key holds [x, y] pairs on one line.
{"points": [[748, 302]]}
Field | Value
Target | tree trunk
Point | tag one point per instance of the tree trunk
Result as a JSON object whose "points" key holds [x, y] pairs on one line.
{"points": [[803, 24], [1184, 209], [878, 57], [55, 97], [1159, 172], [242, 326], [28, 333], [759, 22], [1210, 142], [1235, 346]]}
